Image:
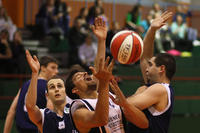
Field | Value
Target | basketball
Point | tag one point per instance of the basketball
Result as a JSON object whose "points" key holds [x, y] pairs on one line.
{"points": [[126, 47]]}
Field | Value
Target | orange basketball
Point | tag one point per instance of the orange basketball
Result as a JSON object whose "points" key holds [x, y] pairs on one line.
{"points": [[126, 47]]}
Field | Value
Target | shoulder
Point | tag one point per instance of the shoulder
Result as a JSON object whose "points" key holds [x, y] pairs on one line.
{"points": [[157, 89]]}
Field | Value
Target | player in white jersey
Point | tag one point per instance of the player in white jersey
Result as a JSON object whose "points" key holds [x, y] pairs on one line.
{"points": [[94, 111]]}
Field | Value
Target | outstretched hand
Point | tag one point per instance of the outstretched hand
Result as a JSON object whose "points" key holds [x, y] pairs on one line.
{"points": [[160, 21], [99, 28], [33, 62], [120, 99], [104, 73]]}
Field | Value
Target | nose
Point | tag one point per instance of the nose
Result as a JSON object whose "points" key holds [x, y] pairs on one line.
{"points": [[56, 71]]}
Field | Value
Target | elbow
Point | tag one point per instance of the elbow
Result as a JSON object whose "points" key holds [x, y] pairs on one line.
{"points": [[29, 106], [145, 124], [102, 121]]}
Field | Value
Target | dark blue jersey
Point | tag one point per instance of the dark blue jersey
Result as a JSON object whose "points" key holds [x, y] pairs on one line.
{"points": [[53, 123], [158, 121], [22, 119]]}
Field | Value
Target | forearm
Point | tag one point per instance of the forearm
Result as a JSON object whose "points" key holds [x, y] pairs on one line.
{"points": [[102, 106], [148, 47], [11, 115], [31, 96], [101, 50], [135, 116]]}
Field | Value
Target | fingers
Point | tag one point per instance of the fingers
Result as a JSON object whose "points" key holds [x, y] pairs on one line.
{"points": [[99, 21], [111, 65], [166, 15], [113, 99], [93, 70], [35, 58], [106, 63]]}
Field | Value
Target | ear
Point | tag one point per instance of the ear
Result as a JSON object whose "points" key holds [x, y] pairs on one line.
{"points": [[42, 68], [75, 90], [162, 68]]}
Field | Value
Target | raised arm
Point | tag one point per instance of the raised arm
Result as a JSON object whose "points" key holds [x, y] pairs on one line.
{"points": [[148, 48], [11, 115], [99, 117], [100, 30], [131, 112], [31, 97]]}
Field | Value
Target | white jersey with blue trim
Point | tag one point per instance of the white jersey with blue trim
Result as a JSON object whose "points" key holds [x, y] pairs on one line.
{"points": [[115, 124]]}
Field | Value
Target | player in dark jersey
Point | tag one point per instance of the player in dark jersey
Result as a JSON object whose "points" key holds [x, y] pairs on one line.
{"points": [[49, 68], [48, 121], [156, 98]]}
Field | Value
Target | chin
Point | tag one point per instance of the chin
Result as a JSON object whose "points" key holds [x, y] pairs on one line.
{"points": [[92, 87]]}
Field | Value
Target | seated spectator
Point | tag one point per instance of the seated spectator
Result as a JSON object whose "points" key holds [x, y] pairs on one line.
{"points": [[179, 32], [133, 19], [76, 38], [93, 11], [87, 52], [5, 52], [114, 29], [46, 20], [18, 52], [6, 23], [83, 17], [156, 10], [62, 12]]}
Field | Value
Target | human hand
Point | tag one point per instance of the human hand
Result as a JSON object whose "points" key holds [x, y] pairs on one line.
{"points": [[120, 99], [99, 28], [160, 21], [33, 62], [104, 73]]}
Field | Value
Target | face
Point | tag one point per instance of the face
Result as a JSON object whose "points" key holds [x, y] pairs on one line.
{"points": [[56, 91], [51, 70], [152, 71], [84, 82]]}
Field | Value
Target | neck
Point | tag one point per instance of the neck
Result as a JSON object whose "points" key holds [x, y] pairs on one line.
{"points": [[90, 95], [59, 108], [42, 76]]}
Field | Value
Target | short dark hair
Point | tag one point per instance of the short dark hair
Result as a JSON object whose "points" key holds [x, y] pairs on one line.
{"points": [[168, 61], [69, 85], [55, 77], [45, 60]]}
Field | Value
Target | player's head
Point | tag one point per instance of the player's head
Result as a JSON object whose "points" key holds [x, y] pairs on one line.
{"points": [[49, 66], [79, 83], [161, 64], [56, 90]]}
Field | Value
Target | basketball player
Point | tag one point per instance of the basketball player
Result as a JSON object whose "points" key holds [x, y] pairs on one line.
{"points": [[90, 108], [156, 98], [49, 68], [48, 121]]}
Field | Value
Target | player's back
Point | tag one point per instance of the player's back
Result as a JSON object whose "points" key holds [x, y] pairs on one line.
{"points": [[22, 120]]}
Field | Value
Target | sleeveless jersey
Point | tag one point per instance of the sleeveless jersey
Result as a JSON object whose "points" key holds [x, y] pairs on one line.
{"points": [[158, 121], [115, 123], [22, 119], [53, 123]]}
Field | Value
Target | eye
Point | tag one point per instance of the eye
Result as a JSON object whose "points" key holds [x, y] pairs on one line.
{"points": [[60, 86], [51, 87]]}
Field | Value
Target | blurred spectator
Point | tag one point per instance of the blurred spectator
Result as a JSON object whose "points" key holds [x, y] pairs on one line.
{"points": [[156, 11], [83, 17], [18, 52], [114, 29], [6, 23], [62, 12], [46, 20], [76, 38], [146, 23], [87, 52], [179, 34], [93, 12], [133, 19], [5, 52]]}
